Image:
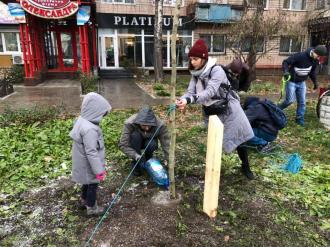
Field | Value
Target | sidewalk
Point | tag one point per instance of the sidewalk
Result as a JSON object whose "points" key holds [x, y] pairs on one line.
{"points": [[123, 93]]}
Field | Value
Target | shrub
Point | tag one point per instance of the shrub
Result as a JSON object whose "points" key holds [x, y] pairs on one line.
{"points": [[32, 115], [88, 83]]}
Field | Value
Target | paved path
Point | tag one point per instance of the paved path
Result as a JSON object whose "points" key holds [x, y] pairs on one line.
{"points": [[50, 93], [121, 94], [124, 93]]}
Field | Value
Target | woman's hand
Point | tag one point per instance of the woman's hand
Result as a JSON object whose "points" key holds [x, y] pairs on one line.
{"points": [[181, 103]]}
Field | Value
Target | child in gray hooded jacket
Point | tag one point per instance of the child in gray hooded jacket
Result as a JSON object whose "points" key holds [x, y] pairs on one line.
{"points": [[88, 152]]}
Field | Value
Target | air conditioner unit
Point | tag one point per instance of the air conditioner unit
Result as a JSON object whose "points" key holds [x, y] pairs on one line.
{"points": [[17, 59]]}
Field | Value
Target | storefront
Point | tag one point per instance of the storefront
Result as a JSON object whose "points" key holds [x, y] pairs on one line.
{"points": [[127, 40], [56, 37], [10, 48]]}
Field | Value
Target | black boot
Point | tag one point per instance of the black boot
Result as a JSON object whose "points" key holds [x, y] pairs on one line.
{"points": [[247, 171], [138, 170]]}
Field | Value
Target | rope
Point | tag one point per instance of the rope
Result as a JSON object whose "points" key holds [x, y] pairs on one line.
{"points": [[171, 108]]}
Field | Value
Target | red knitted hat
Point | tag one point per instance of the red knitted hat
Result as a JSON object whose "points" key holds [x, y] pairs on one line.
{"points": [[199, 49]]}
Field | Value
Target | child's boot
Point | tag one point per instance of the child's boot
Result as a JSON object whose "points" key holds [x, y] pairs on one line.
{"points": [[95, 210]]}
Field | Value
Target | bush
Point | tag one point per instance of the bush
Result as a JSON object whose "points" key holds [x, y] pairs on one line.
{"points": [[158, 86], [32, 115], [163, 93], [88, 83]]}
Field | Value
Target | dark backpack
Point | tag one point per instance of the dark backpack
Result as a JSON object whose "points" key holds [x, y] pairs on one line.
{"points": [[276, 113], [237, 84]]}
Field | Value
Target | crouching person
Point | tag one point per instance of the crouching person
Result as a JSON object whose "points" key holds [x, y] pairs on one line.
{"points": [[137, 133], [263, 122], [88, 152]]}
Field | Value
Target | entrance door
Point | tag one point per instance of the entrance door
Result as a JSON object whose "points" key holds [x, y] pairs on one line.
{"points": [[109, 51], [61, 50]]}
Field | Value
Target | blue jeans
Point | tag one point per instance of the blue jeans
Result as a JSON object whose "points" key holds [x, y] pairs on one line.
{"points": [[295, 91], [261, 138]]}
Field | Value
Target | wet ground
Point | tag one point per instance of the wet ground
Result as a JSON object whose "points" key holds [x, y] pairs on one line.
{"points": [[121, 94]]}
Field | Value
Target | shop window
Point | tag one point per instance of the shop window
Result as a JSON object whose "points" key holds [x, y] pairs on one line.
{"points": [[290, 45], [294, 4], [215, 43], [1, 45], [9, 42], [183, 45]]}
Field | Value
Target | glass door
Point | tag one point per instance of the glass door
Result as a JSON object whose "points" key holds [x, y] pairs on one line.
{"points": [[61, 50], [109, 51]]}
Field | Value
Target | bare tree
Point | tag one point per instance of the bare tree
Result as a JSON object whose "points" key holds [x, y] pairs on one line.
{"points": [[247, 37], [158, 56], [173, 85]]}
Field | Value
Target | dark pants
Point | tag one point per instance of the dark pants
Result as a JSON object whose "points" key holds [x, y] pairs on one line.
{"points": [[243, 155], [138, 143], [88, 193]]}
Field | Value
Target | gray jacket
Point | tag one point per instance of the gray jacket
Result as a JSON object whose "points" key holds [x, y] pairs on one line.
{"points": [[237, 128], [88, 152], [147, 117]]}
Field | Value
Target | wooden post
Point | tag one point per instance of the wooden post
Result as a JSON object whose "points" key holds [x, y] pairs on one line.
{"points": [[213, 166]]}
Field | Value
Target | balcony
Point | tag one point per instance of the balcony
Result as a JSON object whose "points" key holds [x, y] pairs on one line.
{"points": [[214, 12]]}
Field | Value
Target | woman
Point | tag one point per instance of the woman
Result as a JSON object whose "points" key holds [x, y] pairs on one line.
{"points": [[210, 87]]}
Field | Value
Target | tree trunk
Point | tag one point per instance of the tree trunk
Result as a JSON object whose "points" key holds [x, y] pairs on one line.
{"points": [[173, 85], [254, 40], [158, 56]]}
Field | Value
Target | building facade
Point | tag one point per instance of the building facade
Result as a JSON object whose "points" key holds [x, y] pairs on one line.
{"points": [[119, 33]]}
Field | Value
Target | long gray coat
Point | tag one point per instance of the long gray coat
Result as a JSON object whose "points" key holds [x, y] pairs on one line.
{"points": [[88, 152], [237, 128]]}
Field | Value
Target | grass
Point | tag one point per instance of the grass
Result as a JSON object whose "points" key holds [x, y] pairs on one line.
{"points": [[283, 209]]}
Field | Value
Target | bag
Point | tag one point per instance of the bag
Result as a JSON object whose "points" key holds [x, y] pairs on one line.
{"points": [[238, 83], [157, 172], [276, 113], [219, 107]]}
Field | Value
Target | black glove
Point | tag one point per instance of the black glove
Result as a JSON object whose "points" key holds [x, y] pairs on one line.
{"points": [[316, 86], [286, 76]]}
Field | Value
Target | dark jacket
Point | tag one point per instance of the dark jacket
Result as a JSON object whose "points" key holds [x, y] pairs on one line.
{"points": [[144, 117], [259, 117], [300, 66]]}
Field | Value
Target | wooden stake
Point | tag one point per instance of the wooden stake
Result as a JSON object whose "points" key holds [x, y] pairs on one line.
{"points": [[213, 166]]}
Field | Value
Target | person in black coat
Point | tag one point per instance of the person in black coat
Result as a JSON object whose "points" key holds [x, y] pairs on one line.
{"points": [[296, 69], [264, 128]]}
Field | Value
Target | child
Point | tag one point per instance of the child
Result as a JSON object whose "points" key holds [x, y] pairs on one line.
{"points": [[88, 152]]}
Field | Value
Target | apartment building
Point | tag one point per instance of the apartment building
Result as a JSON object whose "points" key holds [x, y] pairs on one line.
{"points": [[58, 36], [126, 30]]}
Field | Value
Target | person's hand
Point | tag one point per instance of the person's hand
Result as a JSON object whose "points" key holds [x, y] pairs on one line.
{"points": [[286, 76], [137, 157], [101, 176], [181, 103]]}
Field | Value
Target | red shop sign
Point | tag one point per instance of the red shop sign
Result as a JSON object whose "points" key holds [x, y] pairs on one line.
{"points": [[50, 9]]}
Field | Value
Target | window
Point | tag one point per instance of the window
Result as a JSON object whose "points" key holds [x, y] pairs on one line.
{"points": [[1, 45], [215, 43], [290, 44], [118, 1], [9, 42], [294, 4], [320, 4], [245, 45], [253, 3]]}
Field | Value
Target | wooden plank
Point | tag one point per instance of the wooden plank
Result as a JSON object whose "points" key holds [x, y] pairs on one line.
{"points": [[213, 166]]}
